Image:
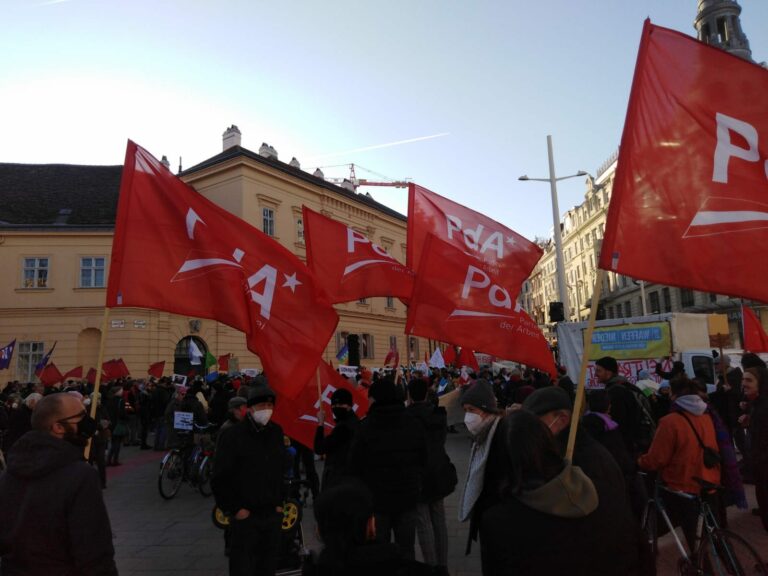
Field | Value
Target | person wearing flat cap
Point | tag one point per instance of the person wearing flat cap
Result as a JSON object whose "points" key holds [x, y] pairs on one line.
{"points": [[247, 482], [487, 460]]}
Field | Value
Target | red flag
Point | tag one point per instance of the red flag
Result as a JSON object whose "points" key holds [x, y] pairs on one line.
{"points": [[449, 356], [50, 375], [223, 362], [689, 204], [91, 376], [509, 254], [457, 298], [114, 369], [467, 358], [348, 265], [214, 265], [74, 373], [755, 338], [156, 370], [298, 417], [393, 356]]}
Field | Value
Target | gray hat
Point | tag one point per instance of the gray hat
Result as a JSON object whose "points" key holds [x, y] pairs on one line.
{"points": [[261, 392], [480, 395], [236, 402], [546, 400]]}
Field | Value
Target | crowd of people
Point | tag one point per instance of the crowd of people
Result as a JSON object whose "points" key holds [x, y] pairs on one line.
{"points": [[387, 473]]}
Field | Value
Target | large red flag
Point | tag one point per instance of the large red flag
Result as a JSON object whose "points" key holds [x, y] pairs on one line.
{"points": [[348, 265], [50, 375], [502, 249], [156, 370], [755, 338], [689, 205], [74, 373], [298, 417], [467, 358], [177, 251], [457, 298]]}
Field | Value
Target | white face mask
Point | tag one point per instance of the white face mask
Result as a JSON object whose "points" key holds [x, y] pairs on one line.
{"points": [[473, 422], [261, 417]]}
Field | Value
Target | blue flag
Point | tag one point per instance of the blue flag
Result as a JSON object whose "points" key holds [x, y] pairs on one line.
{"points": [[6, 354], [44, 362]]}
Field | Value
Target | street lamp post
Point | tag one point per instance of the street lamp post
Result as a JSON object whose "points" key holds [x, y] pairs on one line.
{"points": [[553, 180]]}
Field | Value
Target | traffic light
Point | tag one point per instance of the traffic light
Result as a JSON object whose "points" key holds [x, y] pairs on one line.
{"points": [[556, 313]]}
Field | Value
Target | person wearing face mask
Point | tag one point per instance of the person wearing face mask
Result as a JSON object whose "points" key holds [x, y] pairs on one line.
{"points": [[335, 446], [488, 459], [247, 482], [52, 516]]}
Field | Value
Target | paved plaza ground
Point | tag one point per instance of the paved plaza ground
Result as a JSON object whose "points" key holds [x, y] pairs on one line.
{"points": [[155, 537]]}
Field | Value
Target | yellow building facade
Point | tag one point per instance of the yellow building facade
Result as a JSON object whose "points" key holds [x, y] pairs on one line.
{"points": [[55, 246]]}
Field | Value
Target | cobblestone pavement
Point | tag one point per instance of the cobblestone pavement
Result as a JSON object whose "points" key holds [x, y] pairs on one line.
{"points": [[169, 538]]}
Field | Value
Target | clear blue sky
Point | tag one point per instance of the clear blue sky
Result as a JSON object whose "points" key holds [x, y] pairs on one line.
{"points": [[313, 79]]}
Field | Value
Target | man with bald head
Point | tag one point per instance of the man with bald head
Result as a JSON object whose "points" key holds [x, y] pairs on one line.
{"points": [[52, 515]]}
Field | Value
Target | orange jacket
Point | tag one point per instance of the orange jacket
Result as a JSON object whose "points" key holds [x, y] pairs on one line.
{"points": [[676, 455]]}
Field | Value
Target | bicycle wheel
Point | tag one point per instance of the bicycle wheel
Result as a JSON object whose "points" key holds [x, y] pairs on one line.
{"points": [[171, 475], [204, 477], [650, 528], [726, 553]]}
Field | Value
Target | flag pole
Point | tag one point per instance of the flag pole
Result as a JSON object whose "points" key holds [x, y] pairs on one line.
{"points": [[319, 388], [97, 384], [579, 403]]}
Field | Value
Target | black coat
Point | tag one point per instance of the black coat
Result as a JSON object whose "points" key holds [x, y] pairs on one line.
{"points": [[336, 447], [625, 411], [52, 515], [388, 454], [434, 420], [19, 423], [248, 468]]}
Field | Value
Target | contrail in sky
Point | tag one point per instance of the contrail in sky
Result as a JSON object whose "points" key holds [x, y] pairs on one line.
{"points": [[387, 145]]}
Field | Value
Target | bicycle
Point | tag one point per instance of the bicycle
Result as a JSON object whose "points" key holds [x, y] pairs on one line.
{"points": [[191, 462], [719, 552]]}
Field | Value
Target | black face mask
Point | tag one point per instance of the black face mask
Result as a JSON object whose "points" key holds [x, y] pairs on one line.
{"points": [[340, 413], [83, 431]]}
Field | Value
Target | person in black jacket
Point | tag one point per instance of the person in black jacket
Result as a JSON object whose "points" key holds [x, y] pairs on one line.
{"points": [[335, 446], [247, 482], [52, 515], [439, 477], [388, 454]]}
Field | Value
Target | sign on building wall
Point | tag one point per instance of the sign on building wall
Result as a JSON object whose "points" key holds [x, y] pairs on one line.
{"points": [[118, 323], [139, 323]]}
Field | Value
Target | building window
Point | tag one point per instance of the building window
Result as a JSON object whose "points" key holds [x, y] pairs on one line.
{"points": [[300, 230], [363, 301], [654, 299], [667, 299], [390, 302], [268, 221], [92, 272], [686, 297], [618, 311], [341, 340], [713, 297], [35, 272], [628, 309], [29, 355], [393, 342], [413, 348], [366, 346]]}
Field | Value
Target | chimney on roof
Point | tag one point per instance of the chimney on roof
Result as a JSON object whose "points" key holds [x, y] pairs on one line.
{"points": [[295, 163], [63, 216], [165, 162], [318, 174], [267, 151], [231, 137]]}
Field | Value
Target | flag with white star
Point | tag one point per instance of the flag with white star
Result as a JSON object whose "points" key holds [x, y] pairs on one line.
{"points": [[175, 250]]}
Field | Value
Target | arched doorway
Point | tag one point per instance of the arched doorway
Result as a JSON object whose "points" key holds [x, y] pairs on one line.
{"points": [[88, 341], [182, 359]]}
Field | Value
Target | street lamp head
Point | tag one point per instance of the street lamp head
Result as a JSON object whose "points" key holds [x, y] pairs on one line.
{"points": [[524, 177], [581, 173]]}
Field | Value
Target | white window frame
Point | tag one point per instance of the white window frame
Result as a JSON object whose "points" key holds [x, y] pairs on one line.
{"points": [[93, 268], [32, 263], [268, 221], [28, 355]]}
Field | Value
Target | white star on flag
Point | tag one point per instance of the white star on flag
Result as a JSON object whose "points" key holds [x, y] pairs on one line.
{"points": [[291, 282], [511, 240]]}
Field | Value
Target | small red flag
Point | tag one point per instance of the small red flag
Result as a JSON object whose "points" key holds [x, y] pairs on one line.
{"points": [[393, 357], [50, 375], [459, 299], [755, 338], [215, 265], [467, 358], [449, 356], [74, 373], [348, 265], [689, 206], [156, 370], [223, 361], [298, 417], [510, 255], [114, 369]]}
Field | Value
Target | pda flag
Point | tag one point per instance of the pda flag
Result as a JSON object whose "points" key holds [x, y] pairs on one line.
{"points": [[214, 265], [437, 359], [6, 354], [50, 375], [450, 354], [509, 254], [689, 204], [348, 265], [114, 369], [755, 338], [459, 298], [467, 358], [76, 372], [156, 370]]}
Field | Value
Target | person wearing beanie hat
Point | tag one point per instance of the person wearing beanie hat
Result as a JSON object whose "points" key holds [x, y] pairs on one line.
{"points": [[247, 482], [335, 447], [487, 460]]}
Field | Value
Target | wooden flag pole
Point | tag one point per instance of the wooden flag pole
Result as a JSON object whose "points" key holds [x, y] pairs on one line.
{"points": [[319, 389], [579, 403], [97, 384]]}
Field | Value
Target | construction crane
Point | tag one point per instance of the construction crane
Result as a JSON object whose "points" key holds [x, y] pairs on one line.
{"points": [[353, 182]]}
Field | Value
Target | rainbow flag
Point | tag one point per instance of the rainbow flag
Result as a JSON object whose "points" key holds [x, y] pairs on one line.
{"points": [[343, 355]]}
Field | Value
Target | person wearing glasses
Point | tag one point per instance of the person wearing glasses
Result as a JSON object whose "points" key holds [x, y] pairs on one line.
{"points": [[52, 515]]}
